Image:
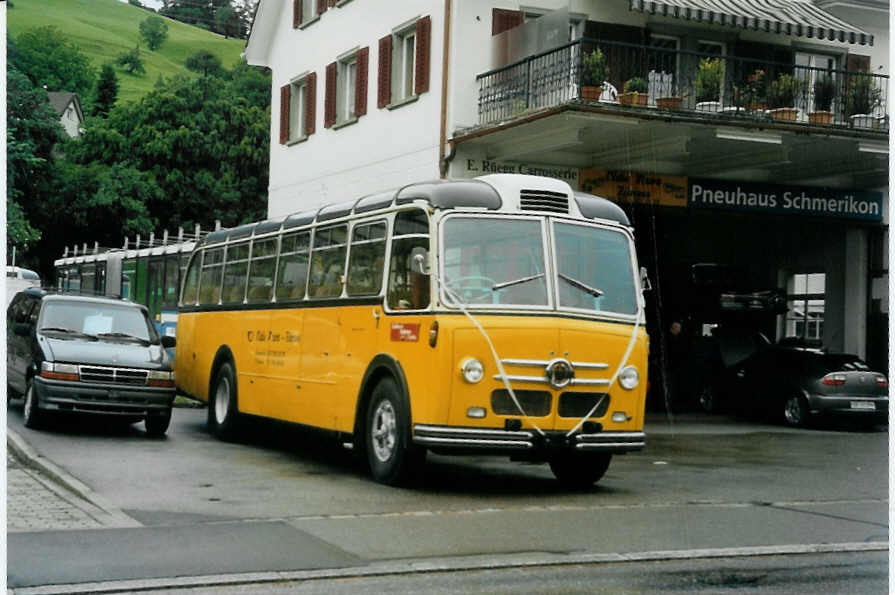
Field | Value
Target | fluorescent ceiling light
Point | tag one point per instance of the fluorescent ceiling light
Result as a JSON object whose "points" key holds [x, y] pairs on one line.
{"points": [[873, 147], [770, 138]]}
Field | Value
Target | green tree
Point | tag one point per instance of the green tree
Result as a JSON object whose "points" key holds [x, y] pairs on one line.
{"points": [[131, 61], [32, 129], [227, 21], [205, 63], [204, 147], [154, 31], [46, 57], [106, 91]]}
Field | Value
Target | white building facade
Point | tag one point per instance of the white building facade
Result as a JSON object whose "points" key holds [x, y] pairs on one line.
{"points": [[370, 95]]}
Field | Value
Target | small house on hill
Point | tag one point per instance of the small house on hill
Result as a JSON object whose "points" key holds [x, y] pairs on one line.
{"points": [[68, 109]]}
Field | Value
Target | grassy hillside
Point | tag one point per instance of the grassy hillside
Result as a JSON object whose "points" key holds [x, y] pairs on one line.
{"points": [[104, 29]]}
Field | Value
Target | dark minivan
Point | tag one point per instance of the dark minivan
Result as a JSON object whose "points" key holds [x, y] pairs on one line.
{"points": [[80, 354]]}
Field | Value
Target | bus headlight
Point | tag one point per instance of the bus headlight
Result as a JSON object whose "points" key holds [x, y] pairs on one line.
{"points": [[629, 377], [472, 369]]}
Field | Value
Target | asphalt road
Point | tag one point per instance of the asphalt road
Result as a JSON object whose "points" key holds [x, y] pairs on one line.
{"points": [[289, 499]]}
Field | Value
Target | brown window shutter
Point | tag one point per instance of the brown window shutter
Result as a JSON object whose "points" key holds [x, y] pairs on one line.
{"points": [[321, 6], [384, 95], [504, 20], [296, 14], [284, 113], [360, 81], [423, 41], [329, 104], [311, 103], [857, 62]]}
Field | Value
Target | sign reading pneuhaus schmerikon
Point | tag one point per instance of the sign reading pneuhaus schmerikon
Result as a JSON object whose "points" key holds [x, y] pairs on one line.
{"points": [[778, 199]]}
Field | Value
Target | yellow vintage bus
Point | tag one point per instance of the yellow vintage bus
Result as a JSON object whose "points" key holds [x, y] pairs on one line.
{"points": [[499, 315]]}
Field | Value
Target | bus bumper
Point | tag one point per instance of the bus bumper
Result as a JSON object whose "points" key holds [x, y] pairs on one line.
{"points": [[498, 441]]}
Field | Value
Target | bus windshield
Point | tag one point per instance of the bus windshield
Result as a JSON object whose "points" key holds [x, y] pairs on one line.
{"points": [[501, 261], [495, 261]]}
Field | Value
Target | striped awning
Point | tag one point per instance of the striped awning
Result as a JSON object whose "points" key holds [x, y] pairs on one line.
{"points": [[786, 17]]}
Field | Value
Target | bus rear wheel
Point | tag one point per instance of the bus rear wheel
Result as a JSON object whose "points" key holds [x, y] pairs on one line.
{"points": [[579, 470], [392, 457], [223, 410]]}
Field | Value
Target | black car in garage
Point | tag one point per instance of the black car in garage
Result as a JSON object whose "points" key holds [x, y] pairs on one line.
{"points": [[798, 384]]}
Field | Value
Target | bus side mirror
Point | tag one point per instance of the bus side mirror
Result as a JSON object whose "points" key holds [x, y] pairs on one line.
{"points": [[419, 261], [644, 280]]}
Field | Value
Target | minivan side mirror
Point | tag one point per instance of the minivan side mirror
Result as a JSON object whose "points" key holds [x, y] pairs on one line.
{"points": [[168, 342], [23, 329]]}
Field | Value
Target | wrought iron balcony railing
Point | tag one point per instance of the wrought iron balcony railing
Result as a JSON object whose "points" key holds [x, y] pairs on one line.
{"points": [[691, 83]]}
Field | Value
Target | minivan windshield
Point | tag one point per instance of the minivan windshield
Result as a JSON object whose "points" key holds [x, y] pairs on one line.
{"points": [[101, 320]]}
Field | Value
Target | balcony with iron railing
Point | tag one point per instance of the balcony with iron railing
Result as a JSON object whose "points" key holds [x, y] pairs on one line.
{"points": [[691, 85]]}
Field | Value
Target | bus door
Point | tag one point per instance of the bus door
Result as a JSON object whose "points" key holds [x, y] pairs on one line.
{"points": [[284, 323], [324, 338], [155, 280]]}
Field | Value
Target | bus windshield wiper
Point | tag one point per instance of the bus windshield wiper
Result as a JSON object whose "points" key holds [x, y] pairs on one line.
{"points": [[69, 331], [124, 336], [505, 284], [579, 285]]}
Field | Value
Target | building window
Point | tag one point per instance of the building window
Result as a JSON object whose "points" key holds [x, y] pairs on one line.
{"points": [[305, 12], [805, 314], [298, 108], [404, 63], [813, 68], [404, 60], [346, 88]]}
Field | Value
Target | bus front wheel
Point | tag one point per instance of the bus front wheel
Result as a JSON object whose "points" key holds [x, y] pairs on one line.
{"points": [[580, 470], [223, 412], [392, 457]]}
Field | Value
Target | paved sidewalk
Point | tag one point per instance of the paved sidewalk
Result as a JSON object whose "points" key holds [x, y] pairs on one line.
{"points": [[33, 503], [41, 496]]}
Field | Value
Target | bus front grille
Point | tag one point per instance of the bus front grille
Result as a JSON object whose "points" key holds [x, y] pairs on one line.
{"points": [[577, 404], [534, 402], [543, 200]]}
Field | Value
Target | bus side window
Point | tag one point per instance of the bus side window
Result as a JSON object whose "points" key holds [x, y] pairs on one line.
{"points": [[408, 290], [328, 261], [172, 282], [292, 270], [367, 259], [210, 279], [261, 270], [235, 271], [191, 281]]}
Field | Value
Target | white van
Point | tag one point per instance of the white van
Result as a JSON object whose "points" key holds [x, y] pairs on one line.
{"points": [[18, 279]]}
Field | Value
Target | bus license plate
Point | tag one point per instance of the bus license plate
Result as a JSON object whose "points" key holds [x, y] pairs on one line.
{"points": [[863, 405]]}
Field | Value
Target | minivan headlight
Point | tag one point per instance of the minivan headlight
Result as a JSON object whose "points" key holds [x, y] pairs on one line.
{"points": [[54, 371], [160, 378]]}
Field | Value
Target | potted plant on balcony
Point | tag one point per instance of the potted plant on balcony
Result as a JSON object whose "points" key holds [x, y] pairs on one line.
{"points": [[782, 95], [708, 85], [862, 99], [635, 92], [752, 95], [593, 72], [824, 89]]}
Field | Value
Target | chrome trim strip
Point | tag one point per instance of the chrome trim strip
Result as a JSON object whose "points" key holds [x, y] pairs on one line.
{"points": [[467, 431], [589, 382], [611, 436], [473, 442], [514, 378], [591, 366], [540, 363], [615, 446]]}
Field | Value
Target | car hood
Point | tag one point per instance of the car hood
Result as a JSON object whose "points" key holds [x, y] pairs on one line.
{"points": [[106, 353]]}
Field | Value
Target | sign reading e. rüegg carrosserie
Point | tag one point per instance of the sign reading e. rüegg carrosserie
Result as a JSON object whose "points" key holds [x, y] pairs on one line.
{"points": [[789, 200], [625, 187]]}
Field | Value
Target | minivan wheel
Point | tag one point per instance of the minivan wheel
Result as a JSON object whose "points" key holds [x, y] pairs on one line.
{"points": [[32, 414], [157, 423], [392, 457], [795, 411], [223, 411]]}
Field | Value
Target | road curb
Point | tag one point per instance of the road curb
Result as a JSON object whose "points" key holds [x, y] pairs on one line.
{"points": [[31, 458], [460, 563]]}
